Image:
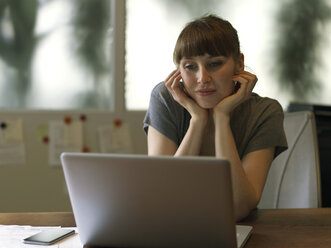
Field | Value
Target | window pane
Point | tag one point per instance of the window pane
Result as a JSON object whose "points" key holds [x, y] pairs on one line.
{"points": [[154, 25], [54, 54]]}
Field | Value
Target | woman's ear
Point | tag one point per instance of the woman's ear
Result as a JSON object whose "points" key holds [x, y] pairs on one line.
{"points": [[240, 63]]}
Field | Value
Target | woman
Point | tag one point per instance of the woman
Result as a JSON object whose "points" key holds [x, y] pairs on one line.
{"points": [[206, 108]]}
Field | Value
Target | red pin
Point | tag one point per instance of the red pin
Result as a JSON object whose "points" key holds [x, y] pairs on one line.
{"points": [[67, 120], [45, 139], [82, 117], [85, 149], [117, 122]]}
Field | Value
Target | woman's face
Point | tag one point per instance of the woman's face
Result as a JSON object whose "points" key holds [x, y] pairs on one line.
{"points": [[208, 79]]}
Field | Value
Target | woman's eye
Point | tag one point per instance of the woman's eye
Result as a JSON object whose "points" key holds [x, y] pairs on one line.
{"points": [[189, 67], [216, 64]]}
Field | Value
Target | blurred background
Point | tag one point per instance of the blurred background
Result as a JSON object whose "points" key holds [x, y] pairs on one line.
{"points": [[58, 54], [100, 59]]}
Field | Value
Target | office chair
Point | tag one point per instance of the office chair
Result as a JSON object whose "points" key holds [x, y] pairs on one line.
{"points": [[294, 176]]}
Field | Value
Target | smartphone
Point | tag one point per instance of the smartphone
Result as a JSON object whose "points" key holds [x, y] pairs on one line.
{"points": [[49, 237]]}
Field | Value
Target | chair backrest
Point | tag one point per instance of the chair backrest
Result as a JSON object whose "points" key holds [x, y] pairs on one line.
{"points": [[294, 176]]}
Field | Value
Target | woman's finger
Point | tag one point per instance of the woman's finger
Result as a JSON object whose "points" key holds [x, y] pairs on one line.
{"points": [[246, 78], [170, 75]]}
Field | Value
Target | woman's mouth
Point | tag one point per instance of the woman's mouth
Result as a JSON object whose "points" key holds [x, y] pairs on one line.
{"points": [[205, 92]]}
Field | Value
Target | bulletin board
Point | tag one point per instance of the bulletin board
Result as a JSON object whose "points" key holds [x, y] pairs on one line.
{"points": [[31, 177]]}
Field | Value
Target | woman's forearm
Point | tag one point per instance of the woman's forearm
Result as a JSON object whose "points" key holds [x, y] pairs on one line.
{"points": [[225, 147], [191, 144]]}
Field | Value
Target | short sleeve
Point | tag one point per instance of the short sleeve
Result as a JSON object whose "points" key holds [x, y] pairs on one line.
{"points": [[164, 114], [269, 131]]}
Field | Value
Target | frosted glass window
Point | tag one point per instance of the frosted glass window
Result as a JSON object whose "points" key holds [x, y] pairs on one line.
{"points": [[55, 54]]}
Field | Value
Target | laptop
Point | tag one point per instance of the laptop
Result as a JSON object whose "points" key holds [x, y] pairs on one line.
{"points": [[145, 201]]}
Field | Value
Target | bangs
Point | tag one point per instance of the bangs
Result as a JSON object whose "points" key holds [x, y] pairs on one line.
{"points": [[200, 38]]}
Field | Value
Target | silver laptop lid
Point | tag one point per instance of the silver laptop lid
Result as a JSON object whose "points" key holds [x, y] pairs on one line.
{"points": [[141, 201]]}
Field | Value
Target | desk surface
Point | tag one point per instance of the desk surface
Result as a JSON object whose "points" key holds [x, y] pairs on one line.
{"points": [[272, 228], [290, 228]]}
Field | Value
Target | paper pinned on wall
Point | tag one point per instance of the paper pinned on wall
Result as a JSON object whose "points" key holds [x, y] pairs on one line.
{"points": [[115, 138], [12, 149], [13, 132], [64, 138], [42, 132]]}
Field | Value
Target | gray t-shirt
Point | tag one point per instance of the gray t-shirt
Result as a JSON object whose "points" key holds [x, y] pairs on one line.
{"points": [[256, 124]]}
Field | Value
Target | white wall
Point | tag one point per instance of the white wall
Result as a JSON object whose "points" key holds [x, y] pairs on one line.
{"points": [[36, 186]]}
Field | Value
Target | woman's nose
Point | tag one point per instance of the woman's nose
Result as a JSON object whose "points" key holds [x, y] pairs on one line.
{"points": [[203, 75]]}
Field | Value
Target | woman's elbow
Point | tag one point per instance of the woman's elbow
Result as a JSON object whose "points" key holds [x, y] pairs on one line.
{"points": [[243, 209]]}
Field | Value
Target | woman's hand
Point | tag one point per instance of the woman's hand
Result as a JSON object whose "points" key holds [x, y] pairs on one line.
{"points": [[243, 91], [172, 82]]}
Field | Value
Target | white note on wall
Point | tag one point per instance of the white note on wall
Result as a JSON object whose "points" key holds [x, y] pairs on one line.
{"points": [[64, 138], [115, 138], [12, 149]]}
